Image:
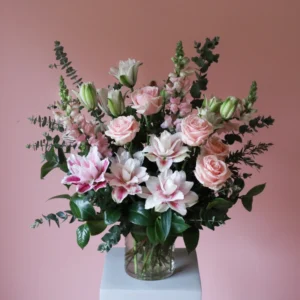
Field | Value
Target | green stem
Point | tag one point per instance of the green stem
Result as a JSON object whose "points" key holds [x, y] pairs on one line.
{"points": [[135, 258]]}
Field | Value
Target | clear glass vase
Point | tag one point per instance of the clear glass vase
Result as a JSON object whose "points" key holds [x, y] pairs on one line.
{"points": [[146, 261]]}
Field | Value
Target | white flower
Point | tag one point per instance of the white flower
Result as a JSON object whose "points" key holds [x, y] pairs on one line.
{"points": [[87, 95], [111, 101], [126, 176], [169, 190], [166, 149], [127, 71]]}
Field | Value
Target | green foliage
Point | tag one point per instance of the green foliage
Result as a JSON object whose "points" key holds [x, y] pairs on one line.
{"points": [[82, 209], [204, 60], [62, 196], [247, 199], [53, 161], [166, 221], [246, 155], [83, 235], [255, 124], [110, 239], [252, 97], [138, 215], [46, 122], [61, 215], [96, 226], [178, 224], [112, 216], [65, 64], [191, 239], [231, 138]]}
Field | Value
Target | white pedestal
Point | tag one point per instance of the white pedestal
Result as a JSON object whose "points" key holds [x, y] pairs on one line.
{"points": [[184, 284]]}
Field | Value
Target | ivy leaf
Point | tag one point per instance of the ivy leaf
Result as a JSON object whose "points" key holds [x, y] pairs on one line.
{"points": [[178, 224], [138, 215], [82, 209], [83, 235], [112, 216], [191, 239]]}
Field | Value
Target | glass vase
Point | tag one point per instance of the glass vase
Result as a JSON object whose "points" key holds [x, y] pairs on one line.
{"points": [[146, 261]]}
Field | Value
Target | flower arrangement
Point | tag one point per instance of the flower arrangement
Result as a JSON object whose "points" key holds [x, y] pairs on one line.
{"points": [[153, 162]]}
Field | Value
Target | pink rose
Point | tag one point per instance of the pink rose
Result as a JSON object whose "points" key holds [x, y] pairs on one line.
{"points": [[211, 172], [215, 146], [147, 100], [195, 130], [123, 129]]}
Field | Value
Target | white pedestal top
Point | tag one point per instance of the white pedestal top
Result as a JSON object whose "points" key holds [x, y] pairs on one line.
{"points": [[183, 284]]}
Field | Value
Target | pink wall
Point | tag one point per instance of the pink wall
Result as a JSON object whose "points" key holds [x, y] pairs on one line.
{"points": [[256, 256]]}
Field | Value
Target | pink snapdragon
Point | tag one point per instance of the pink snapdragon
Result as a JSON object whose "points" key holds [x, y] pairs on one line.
{"points": [[166, 149], [126, 176], [101, 142], [87, 173], [169, 190]]}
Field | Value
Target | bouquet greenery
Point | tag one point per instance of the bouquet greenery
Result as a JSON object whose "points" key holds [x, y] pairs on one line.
{"points": [[153, 162]]}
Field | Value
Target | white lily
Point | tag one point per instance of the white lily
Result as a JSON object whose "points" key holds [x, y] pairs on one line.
{"points": [[126, 72]]}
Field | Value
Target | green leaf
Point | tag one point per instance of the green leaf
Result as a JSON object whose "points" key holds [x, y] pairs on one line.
{"points": [[51, 156], [220, 204], [191, 239], [83, 235], [47, 167], [62, 160], [96, 226], [159, 234], [112, 216], [247, 202], [178, 224], [166, 221], [139, 215], [151, 235], [62, 196], [195, 90], [82, 209], [256, 190]]}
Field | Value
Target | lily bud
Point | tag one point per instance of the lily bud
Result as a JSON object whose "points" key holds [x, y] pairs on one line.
{"points": [[228, 107], [115, 102], [88, 95], [213, 104]]}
